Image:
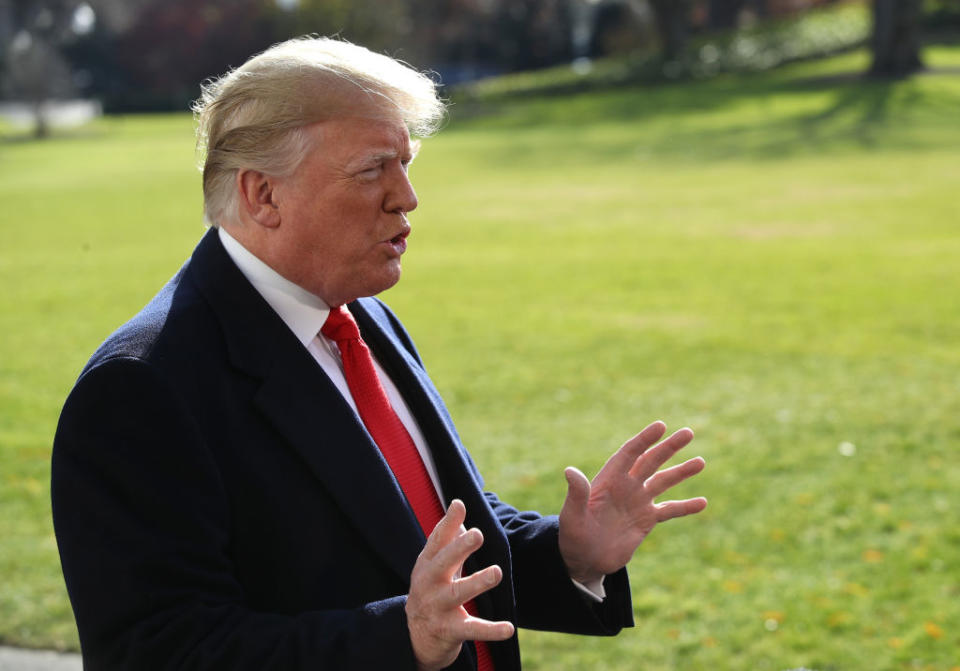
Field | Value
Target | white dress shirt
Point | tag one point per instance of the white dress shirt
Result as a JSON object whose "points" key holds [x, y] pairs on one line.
{"points": [[304, 314]]}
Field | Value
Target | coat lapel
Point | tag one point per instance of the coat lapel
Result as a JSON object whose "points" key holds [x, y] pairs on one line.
{"points": [[460, 479], [314, 418], [307, 410]]}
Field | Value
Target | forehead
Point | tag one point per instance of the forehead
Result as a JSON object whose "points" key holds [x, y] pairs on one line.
{"points": [[358, 138]]}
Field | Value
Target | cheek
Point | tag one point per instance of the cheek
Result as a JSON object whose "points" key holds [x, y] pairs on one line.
{"points": [[343, 229]]}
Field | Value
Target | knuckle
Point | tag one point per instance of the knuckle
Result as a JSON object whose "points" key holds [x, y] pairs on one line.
{"points": [[453, 591]]}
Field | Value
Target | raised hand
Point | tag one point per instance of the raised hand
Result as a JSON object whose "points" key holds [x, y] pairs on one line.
{"points": [[604, 521], [438, 622]]}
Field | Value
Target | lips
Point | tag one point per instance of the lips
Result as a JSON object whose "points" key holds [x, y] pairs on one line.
{"points": [[399, 241]]}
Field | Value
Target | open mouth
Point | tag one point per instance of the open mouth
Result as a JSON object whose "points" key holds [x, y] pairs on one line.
{"points": [[399, 241], [401, 236]]}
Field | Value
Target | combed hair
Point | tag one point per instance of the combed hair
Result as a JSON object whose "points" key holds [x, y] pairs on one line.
{"points": [[254, 117]]}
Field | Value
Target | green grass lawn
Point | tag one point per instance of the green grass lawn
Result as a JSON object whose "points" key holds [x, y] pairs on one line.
{"points": [[771, 259]]}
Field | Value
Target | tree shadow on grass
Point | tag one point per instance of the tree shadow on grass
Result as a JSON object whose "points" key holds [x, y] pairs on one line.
{"points": [[857, 113], [865, 114], [856, 117]]}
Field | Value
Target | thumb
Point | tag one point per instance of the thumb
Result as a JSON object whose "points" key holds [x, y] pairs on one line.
{"points": [[578, 487]]}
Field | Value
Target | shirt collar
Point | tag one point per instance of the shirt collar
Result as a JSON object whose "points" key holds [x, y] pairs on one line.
{"points": [[304, 313]]}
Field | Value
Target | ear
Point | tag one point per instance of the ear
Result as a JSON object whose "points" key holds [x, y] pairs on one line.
{"points": [[256, 193]]}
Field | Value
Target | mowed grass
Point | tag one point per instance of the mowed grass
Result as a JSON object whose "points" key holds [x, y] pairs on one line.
{"points": [[771, 260]]}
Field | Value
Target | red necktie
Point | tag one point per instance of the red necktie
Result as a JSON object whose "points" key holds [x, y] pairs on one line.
{"points": [[390, 435]]}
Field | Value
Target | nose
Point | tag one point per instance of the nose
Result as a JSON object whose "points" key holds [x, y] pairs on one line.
{"points": [[401, 197]]}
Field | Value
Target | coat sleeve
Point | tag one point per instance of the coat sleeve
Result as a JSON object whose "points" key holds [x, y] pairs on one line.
{"points": [[546, 596], [142, 526]]}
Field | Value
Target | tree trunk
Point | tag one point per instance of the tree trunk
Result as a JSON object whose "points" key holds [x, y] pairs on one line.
{"points": [[41, 127], [671, 18], [896, 37]]}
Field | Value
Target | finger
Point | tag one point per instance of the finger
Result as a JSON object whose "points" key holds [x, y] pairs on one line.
{"points": [[663, 480], [445, 565], [630, 451], [478, 629], [578, 488], [447, 529], [465, 589], [671, 509], [651, 460]]}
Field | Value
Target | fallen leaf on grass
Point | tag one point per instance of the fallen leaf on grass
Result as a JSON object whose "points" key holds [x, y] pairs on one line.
{"points": [[855, 589], [774, 615], [732, 586], [838, 619], [933, 630]]}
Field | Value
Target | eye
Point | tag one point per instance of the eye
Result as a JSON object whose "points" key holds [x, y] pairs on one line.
{"points": [[370, 173]]}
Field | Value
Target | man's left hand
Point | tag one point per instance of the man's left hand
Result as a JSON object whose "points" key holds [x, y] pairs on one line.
{"points": [[603, 522]]}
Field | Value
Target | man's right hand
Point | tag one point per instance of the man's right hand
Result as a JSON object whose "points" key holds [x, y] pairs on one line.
{"points": [[438, 622]]}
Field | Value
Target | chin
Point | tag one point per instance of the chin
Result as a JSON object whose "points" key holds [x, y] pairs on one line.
{"points": [[391, 277], [384, 282]]}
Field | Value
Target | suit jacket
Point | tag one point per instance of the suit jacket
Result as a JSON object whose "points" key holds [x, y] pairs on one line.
{"points": [[218, 505]]}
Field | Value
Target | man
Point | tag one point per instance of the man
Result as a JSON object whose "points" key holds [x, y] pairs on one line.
{"points": [[241, 480]]}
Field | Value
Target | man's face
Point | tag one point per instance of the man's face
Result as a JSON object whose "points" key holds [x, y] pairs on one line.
{"points": [[343, 223]]}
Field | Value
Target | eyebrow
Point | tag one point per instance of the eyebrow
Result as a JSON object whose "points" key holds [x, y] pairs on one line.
{"points": [[384, 155]]}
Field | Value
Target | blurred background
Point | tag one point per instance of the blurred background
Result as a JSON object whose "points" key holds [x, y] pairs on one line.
{"points": [[149, 55], [737, 215]]}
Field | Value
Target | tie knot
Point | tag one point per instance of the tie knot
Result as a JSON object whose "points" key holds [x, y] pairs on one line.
{"points": [[340, 325]]}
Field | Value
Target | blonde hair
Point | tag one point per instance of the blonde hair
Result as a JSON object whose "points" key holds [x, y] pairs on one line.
{"points": [[254, 117]]}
